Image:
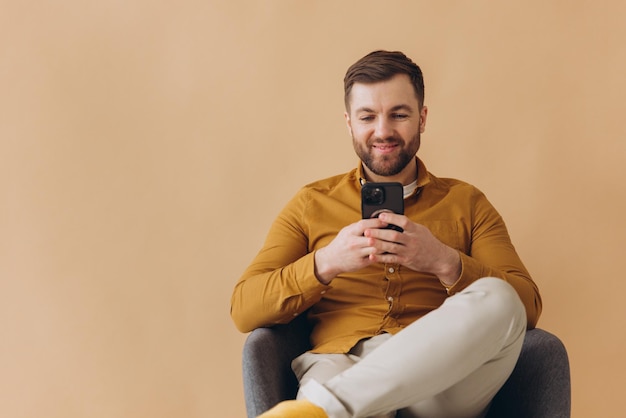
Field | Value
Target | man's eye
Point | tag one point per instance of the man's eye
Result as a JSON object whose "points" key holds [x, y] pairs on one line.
{"points": [[400, 116], [366, 118]]}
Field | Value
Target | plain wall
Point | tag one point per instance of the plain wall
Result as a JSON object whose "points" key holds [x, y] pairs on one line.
{"points": [[145, 148]]}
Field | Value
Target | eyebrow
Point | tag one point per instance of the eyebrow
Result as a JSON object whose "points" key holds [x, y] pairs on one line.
{"points": [[404, 107]]}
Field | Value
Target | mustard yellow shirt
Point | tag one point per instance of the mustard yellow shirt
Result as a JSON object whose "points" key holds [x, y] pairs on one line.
{"points": [[280, 283]]}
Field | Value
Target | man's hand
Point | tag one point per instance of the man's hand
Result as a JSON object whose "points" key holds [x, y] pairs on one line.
{"points": [[416, 248], [351, 250]]}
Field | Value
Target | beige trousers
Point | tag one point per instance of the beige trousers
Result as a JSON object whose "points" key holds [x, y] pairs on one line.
{"points": [[448, 364]]}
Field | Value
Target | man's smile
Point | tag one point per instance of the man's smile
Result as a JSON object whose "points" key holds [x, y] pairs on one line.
{"points": [[385, 148]]}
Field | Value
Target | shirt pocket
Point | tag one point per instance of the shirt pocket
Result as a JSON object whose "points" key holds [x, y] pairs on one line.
{"points": [[447, 232]]}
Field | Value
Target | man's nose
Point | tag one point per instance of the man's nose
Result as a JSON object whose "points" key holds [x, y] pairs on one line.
{"points": [[383, 128]]}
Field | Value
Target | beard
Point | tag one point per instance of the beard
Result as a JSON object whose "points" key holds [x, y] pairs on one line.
{"points": [[388, 165]]}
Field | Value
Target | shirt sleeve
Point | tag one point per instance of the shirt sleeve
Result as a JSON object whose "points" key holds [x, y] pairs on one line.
{"points": [[280, 283], [493, 255]]}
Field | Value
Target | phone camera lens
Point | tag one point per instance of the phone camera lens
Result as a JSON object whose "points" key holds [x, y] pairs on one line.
{"points": [[375, 196]]}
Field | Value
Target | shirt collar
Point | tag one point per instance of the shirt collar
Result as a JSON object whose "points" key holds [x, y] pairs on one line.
{"points": [[423, 178]]}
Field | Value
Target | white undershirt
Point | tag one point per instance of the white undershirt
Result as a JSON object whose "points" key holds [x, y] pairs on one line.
{"points": [[409, 189]]}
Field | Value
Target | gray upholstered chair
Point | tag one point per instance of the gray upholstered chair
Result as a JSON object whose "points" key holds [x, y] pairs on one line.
{"points": [[538, 388]]}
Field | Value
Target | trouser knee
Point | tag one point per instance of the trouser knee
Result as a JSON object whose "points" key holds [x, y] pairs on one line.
{"points": [[495, 300]]}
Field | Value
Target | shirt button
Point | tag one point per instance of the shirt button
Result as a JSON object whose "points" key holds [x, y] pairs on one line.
{"points": [[391, 270], [390, 298], [295, 314], [322, 292]]}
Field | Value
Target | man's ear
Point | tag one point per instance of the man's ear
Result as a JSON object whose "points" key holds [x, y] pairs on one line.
{"points": [[348, 122], [423, 115]]}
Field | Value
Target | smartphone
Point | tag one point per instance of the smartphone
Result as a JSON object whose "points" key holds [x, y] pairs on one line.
{"points": [[377, 198]]}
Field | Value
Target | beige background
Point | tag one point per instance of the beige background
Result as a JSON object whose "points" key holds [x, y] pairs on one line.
{"points": [[146, 147]]}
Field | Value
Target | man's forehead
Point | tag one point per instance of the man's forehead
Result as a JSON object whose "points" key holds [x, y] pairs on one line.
{"points": [[398, 79], [395, 92]]}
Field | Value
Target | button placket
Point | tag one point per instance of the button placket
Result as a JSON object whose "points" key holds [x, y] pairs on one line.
{"points": [[393, 287]]}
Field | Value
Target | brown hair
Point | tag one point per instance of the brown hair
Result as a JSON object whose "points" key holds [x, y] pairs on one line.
{"points": [[381, 66]]}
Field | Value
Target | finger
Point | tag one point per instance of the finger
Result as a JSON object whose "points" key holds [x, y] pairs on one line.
{"points": [[363, 246], [385, 258], [395, 219], [381, 246], [388, 235], [365, 224]]}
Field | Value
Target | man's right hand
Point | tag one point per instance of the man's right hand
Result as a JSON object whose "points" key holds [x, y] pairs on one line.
{"points": [[349, 251]]}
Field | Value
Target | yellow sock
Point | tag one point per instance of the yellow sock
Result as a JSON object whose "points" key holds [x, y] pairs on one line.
{"points": [[295, 409]]}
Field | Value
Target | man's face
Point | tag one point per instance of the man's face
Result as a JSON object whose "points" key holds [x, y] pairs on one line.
{"points": [[385, 121]]}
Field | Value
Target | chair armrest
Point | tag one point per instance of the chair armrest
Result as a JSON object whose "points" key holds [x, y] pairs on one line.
{"points": [[267, 354], [539, 386]]}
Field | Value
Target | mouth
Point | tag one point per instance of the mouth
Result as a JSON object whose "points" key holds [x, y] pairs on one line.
{"points": [[385, 148]]}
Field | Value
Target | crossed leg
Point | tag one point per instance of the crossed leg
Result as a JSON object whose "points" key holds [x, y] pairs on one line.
{"points": [[450, 363]]}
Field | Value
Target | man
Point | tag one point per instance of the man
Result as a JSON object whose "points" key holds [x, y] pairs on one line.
{"points": [[427, 322]]}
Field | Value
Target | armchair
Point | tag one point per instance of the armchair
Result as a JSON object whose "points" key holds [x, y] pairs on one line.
{"points": [[539, 386]]}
